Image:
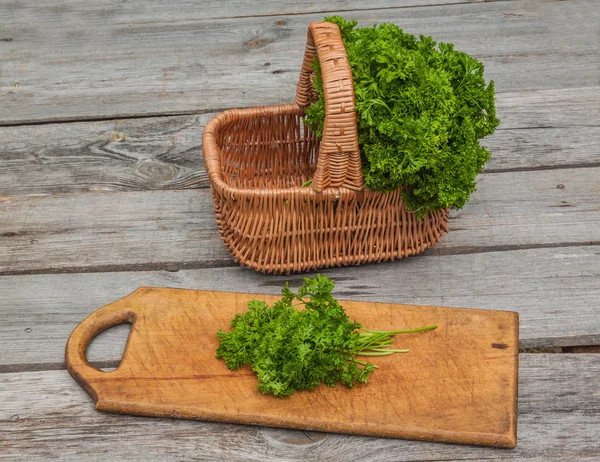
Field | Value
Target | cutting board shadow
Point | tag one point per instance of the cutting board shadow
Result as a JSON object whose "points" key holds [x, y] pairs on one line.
{"points": [[458, 384]]}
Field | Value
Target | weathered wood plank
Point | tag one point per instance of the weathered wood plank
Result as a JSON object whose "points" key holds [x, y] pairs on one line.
{"points": [[217, 9], [555, 292], [72, 232], [176, 229], [564, 107], [46, 414], [165, 152], [119, 60], [522, 149], [119, 155]]}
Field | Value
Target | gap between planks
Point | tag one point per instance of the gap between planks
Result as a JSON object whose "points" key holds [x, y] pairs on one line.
{"points": [[214, 112]]}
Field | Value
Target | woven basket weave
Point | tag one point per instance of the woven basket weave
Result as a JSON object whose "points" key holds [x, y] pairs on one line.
{"points": [[257, 160]]}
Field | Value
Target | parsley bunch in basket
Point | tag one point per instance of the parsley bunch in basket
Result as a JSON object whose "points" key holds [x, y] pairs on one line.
{"points": [[421, 110], [292, 350]]}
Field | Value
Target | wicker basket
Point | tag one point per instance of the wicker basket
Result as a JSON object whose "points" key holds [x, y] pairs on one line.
{"points": [[257, 160]]}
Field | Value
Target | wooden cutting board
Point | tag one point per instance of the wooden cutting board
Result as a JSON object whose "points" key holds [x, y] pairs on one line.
{"points": [[458, 383]]}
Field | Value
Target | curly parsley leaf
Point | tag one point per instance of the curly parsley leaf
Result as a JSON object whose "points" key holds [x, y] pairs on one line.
{"points": [[422, 108], [294, 350]]}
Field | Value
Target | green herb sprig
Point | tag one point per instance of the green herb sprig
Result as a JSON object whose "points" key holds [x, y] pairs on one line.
{"points": [[421, 109], [293, 349]]}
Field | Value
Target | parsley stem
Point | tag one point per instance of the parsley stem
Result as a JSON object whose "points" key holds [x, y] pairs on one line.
{"points": [[364, 364], [375, 353], [387, 342], [374, 342], [408, 331], [393, 351], [369, 343]]}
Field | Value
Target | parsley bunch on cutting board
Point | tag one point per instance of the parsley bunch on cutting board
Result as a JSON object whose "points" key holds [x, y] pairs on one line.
{"points": [[294, 349], [421, 109]]}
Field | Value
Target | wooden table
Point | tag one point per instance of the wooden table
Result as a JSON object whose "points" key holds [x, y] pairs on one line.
{"points": [[103, 189]]}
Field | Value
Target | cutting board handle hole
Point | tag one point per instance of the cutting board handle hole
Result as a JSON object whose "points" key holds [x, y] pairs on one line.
{"points": [[106, 349]]}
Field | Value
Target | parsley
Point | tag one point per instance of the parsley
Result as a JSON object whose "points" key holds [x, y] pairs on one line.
{"points": [[292, 350], [421, 110]]}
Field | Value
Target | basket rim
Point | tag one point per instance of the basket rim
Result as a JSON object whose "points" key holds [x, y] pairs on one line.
{"points": [[212, 160]]}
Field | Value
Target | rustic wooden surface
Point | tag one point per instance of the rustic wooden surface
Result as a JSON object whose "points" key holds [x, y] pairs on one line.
{"points": [[48, 414], [119, 60], [457, 383], [57, 233], [540, 129], [112, 96], [551, 288]]}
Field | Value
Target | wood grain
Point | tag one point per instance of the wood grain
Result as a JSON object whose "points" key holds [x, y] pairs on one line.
{"points": [[73, 61], [151, 10], [554, 291], [176, 229], [45, 414], [564, 107], [115, 155], [118, 60], [457, 384], [165, 152], [543, 148]]}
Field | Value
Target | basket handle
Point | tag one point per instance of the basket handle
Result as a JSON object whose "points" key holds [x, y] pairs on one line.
{"points": [[339, 163]]}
